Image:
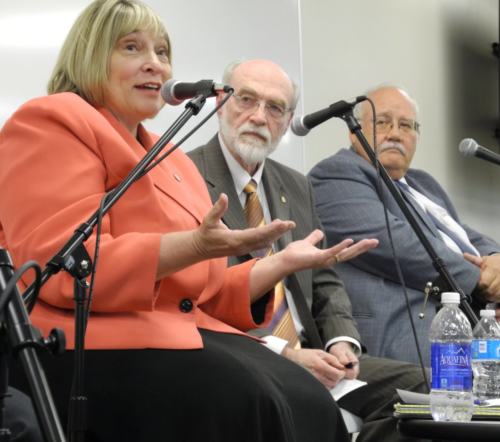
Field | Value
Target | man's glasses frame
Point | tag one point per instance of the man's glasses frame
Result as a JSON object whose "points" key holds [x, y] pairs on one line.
{"points": [[247, 103], [385, 125]]}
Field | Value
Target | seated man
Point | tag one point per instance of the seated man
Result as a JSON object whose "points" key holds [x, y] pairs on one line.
{"points": [[348, 204], [235, 162]]}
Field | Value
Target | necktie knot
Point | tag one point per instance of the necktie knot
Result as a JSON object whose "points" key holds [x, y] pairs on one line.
{"points": [[251, 187], [403, 186]]}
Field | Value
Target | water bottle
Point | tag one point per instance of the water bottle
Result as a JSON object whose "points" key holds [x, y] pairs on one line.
{"points": [[451, 375], [486, 358]]}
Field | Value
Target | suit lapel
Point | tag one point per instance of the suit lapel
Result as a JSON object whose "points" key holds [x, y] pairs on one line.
{"points": [[219, 180], [277, 199]]}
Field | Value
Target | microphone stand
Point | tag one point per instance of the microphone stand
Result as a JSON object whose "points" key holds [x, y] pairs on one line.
{"points": [[437, 262], [74, 259], [24, 340]]}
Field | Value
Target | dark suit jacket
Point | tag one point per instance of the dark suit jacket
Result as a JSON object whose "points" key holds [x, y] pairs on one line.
{"points": [[349, 206], [290, 197]]}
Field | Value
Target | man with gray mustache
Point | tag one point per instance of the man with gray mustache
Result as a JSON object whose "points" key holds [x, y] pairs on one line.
{"points": [[348, 205]]}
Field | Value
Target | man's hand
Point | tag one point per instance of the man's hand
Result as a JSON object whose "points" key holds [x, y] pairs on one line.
{"points": [[488, 285], [344, 354], [325, 367]]}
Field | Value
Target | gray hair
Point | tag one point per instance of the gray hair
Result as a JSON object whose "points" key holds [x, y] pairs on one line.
{"points": [[227, 76], [358, 109]]}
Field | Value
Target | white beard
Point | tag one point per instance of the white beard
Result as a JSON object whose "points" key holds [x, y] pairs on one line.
{"points": [[250, 149]]}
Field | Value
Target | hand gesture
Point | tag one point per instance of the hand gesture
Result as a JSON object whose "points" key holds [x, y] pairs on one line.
{"points": [[213, 239], [303, 254], [488, 286]]}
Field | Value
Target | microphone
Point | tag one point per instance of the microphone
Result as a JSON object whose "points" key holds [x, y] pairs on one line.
{"points": [[469, 148], [174, 92], [301, 125]]}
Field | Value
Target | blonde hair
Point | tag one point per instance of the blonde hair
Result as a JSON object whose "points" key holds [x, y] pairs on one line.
{"points": [[83, 64]]}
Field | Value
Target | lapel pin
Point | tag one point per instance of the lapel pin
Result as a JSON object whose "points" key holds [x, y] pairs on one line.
{"points": [[177, 177], [283, 199]]}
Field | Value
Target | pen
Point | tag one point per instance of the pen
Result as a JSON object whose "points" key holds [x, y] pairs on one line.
{"points": [[351, 365]]}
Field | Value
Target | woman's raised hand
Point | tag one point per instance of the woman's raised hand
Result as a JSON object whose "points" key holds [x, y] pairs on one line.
{"points": [[213, 239], [304, 254]]}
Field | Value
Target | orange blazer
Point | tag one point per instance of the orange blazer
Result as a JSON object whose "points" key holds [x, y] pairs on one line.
{"points": [[58, 158]]}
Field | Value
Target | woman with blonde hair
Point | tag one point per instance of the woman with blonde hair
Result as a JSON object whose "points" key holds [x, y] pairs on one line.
{"points": [[166, 355]]}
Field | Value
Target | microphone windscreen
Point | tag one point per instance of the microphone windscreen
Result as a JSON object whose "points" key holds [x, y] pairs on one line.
{"points": [[298, 127], [167, 92], [468, 147]]}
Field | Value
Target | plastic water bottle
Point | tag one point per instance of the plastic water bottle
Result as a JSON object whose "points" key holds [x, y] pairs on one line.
{"points": [[486, 358], [451, 375]]}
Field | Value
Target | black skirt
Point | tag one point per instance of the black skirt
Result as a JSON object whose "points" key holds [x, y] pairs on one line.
{"points": [[234, 389]]}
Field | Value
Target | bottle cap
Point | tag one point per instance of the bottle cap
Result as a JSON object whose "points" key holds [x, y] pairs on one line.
{"points": [[450, 298], [487, 313]]}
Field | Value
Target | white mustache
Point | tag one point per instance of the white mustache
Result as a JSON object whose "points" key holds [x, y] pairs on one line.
{"points": [[249, 127], [392, 145]]}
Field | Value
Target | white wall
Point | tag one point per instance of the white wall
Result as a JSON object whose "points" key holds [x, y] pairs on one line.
{"points": [[206, 36], [440, 50]]}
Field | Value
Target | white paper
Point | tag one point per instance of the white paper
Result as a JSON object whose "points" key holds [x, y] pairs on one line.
{"points": [[410, 397], [345, 386]]}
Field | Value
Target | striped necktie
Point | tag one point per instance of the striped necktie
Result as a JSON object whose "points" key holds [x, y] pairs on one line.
{"points": [[282, 323], [443, 221]]}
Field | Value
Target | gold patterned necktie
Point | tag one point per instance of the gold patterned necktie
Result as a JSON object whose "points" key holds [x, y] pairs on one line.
{"points": [[282, 323]]}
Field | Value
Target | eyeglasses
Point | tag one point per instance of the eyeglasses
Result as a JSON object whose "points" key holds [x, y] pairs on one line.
{"points": [[247, 103], [385, 124]]}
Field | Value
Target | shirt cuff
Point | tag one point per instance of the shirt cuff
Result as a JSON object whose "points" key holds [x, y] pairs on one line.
{"points": [[275, 344], [354, 342]]}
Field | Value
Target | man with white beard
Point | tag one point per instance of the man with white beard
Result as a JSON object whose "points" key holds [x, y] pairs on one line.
{"points": [[348, 204], [235, 162]]}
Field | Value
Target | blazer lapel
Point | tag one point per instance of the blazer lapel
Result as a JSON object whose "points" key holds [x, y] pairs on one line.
{"points": [[163, 175]]}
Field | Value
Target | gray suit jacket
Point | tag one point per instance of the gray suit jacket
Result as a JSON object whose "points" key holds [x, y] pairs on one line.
{"points": [[348, 205], [321, 289]]}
